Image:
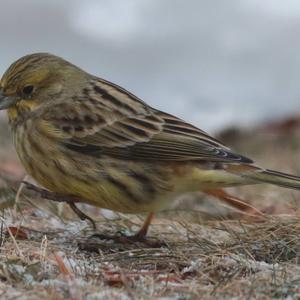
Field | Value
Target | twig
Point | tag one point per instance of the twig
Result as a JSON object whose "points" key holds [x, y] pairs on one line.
{"points": [[13, 238], [70, 200], [17, 197]]}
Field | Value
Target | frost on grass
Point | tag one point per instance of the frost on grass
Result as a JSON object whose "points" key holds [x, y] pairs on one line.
{"points": [[213, 259]]}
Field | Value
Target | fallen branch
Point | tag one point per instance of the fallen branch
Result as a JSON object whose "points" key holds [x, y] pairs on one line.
{"points": [[70, 200]]}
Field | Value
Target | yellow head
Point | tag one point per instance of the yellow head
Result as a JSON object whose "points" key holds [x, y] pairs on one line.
{"points": [[38, 79]]}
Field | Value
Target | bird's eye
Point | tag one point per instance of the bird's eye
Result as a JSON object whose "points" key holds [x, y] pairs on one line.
{"points": [[28, 89]]}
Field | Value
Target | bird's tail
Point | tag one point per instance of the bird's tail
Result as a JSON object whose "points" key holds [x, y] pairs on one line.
{"points": [[256, 174]]}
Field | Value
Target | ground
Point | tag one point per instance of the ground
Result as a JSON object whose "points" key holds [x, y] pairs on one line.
{"points": [[209, 250]]}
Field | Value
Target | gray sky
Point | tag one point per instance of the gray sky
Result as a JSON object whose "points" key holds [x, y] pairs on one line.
{"points": [[213, 63]]}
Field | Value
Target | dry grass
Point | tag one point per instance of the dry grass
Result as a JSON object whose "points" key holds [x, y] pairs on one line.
{"points": [[208, 252], [219, 259]]}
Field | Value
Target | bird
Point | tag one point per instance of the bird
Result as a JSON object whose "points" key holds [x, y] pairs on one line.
{"points": [[88, 140]]}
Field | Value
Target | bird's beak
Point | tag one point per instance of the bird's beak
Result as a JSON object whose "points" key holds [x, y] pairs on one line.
{"points": [[6, 101]]}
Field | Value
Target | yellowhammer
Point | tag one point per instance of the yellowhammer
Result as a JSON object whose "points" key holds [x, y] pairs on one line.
{"points": [[84, 137]]}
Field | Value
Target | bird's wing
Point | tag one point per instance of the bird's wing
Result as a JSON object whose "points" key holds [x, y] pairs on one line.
{"points": [[108, 120]]}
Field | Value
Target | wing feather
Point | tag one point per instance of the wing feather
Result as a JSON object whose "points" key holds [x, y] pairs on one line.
{"points": [[97, 125]]}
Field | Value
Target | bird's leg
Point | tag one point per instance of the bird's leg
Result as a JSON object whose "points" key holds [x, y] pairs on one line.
{"points": [[60, 198], [141, 234], [234, 201]]}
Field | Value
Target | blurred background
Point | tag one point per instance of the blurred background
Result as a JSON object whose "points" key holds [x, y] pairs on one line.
{"points": [[230, 67], [214, 63]]}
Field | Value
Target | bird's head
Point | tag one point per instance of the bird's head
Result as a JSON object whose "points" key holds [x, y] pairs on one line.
{"points": [[37, 79]]}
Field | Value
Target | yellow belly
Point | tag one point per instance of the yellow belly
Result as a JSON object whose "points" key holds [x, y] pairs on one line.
{"points": [[125, 186], [117, 185]]}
